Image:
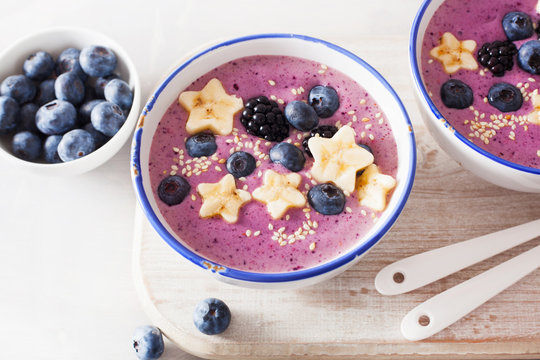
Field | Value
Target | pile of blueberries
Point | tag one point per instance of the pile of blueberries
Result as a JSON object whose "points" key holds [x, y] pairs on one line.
{"points": [[62, 110]]}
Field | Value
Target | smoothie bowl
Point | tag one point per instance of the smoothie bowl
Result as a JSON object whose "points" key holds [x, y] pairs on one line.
{"points": [[273, 160], [476, 68]]}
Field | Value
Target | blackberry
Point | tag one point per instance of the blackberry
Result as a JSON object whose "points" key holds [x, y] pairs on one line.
{"points": [[263, 118], [497, 56], [325, 131]]}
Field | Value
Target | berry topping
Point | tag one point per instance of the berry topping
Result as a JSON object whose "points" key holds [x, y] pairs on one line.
{"points": [[456, 94], [517, 25], [325, 131], [301, 115], [75, 144], [148, 342], [529, 57], [288, 155], [201, 144], [212, 316], [241, 164], [505, 97], [324, 100], [326, 199], [497, 56], [26, 145], [263, 118], [173, 189]]}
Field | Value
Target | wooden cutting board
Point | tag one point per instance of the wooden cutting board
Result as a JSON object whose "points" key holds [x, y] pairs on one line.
{"points": [[345, 317]]}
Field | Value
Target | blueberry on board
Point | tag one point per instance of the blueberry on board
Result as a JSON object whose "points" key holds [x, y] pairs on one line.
{"points": [[211, 316], [288, 155], [117, 91], [50, 147], [505, 97], [201, 144], [456, 94], [9, 114], [148, 342], [99, 84], [324, 100], [300, 115], [45, 92], [28, 117], [86, 109], [97, 60], [529, 57], [67, 61], [26, 145], [56, 117], [173, 189], [75, 144], [99, 138], [517, 25], [38, 66], [241, 164], [19, 87], [107, 118], [326, 199], [69, 87]]}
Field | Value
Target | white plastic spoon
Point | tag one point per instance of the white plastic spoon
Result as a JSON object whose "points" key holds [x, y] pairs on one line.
{"points": [[421, 269]]}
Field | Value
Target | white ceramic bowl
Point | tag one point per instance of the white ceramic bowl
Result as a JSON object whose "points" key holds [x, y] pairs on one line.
{"points": [[54, 41], [483, 164], [274, 44]]}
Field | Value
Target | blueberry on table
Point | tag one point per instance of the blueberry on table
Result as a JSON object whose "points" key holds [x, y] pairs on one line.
{"points": [[67, 61], [211, 316], [529, 57], [107, 118], [50, 147], [97, 60], [288, 155], [45, 92], [69, 87], [117, 91], [517, 25], [38, 66], [324, 100], [85, 110], [28, 117], [19, 87], [505, 97], [56, 117], [201, 144], [300, 115], [26, 145], [325, 131], [326, 199], [173, 189], [148, 342], [263, 118], [75, 144], [9, 114], [456, 94], [241, 164]]}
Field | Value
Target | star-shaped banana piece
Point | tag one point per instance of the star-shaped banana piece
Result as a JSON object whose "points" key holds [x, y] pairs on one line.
{"points": [[337, 159], [279, 193], [373, 188], [222, 198], [210, 109], [454, 54], [534, 116]]}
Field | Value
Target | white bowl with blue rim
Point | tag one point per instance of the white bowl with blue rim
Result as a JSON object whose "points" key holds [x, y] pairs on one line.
{"points": [[483, 164], [313, 49]]}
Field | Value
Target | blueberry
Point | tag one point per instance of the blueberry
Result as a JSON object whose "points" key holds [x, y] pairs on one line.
{"points": [[456, 94], [148, 342], [326, 199], [505, 97], [201, 144], [529, 57], [9, 114], [86, 109], [75, 144], [107, 118], [97, 60], [99, 138], [301, 115], [117, 91], [517, 26], [26, 145], [324, 100], [366, 147], [173, 189], [50, 147], [38, 66], [288, 155], [18, 87], [45, 92], [69, 87], [28, 117], [241, 164], [211, 316], [56, 117], [67, 61], [100, 83]]}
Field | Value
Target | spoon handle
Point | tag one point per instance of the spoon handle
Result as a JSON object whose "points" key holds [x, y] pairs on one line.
{"points": [[446, 308], [421, 269]]}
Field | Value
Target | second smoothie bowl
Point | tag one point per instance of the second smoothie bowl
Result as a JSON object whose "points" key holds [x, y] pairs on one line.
{"points": [[273, 160]]}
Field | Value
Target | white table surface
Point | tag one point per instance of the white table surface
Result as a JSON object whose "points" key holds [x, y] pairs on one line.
{"points": [[66, 289]]}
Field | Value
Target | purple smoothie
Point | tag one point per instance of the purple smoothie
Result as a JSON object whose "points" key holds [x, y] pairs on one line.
{"points": [[248, 244], [506, 135]]}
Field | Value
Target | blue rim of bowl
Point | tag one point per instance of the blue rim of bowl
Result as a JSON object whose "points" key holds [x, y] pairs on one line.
{"points": [[269, 277], [420, 86]]}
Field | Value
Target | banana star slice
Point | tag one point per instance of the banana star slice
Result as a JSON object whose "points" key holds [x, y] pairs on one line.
{"points": [[279, 193], [534, 116], [373, 188], [210, 109], [222, 198], [454, 54], [337, 159]]}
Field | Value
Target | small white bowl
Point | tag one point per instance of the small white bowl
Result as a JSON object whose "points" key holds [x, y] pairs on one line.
{"points": [[54, 41], [480, 162]]}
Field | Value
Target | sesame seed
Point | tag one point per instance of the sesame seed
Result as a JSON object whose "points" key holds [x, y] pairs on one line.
{"points": [[538, 153], [430, 61], [272, 82], [324, 67], [248, 233], [273, 97], [266, 157], [482, 72], [231, 150], [354, 118], [193, 197], [321, 72], [307, 215], [184, 170], [222, 161], [348, 209], [362, 101], [298, 136], [305, 226], [243, 178], [245, 187], [363, 212], [301, 89], [312, 246], [313, 182], [378, 115], [292, 241], [519, 84], [258, 163], [371, 136], [282, 243], [268, 143], [315, 224], [363, 134], [217, 168], [257, 233], [175, 149], [350, 112], [311, 232], [189, 161], [287, 217], [280, 101], [173, 172], [294, 91], [281, 229], [368, 126]]}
